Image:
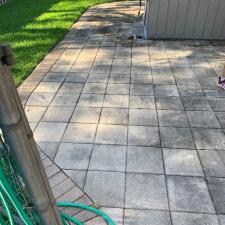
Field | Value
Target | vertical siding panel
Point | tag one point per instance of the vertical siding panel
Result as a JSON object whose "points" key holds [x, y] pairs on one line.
{"points": [[172, 17], [218, 26], [211, 18], [223, 32], [200, 18], [162, 19], [181, 18], [196, 19], [153, 16], [146, 20], [191, 15]]}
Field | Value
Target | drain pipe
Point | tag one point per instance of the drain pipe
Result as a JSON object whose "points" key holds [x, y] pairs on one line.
{"points": [[16, 130]]}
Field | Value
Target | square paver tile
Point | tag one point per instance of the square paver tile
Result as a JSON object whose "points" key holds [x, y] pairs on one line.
{"points": [[166, 71], [140, 187], [172, 137], [160, 62], [204, 72], [49, 132], [190, 90], [161, 79], [114, 116], [40, 99], [166, 90], [58, 114], [170, 103], [65, 99], [217, 190], [57, 68], [172, 118], [98, 78], [48, 87], [118, 89], [198, 62], [221, 117], [80, 133], [97, 68], [217, 104], [71, 88], [207, 81], [34, 113], [213, 91], [119, 79], [82, 66], [143, 117], [213, 162], [101, 187], [187, 80], [204, 119], [209, 138], [86, 115], [141, 69], [117, 101], [189, 194], [222, 219], [120, 69], [94, 88], [73, 156], [196, 103], [141, 79], [108, 158], [145, 217], [182, 162], [54, 77], [91, 100], [141, 89], [142, 102], [179, 218], [143, 136], [144, 160], [182, 71], [111, 134], [76, 77]]}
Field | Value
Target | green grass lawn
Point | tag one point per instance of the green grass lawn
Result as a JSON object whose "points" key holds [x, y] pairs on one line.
{"points": [[32, 28]]}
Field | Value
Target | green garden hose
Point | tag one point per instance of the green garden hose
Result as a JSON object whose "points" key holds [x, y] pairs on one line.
{"points": [[7, 208], [89, 208], [8, 197]]}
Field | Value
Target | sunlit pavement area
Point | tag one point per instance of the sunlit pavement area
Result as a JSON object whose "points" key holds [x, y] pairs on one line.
{"points": [[138, 125]]}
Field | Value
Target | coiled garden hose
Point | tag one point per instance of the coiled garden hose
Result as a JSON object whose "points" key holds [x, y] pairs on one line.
{"points": [[8, 197], [89, 208]]}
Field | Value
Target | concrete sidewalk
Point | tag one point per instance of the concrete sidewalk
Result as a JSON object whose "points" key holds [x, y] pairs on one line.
{"points": [[137, 125]]}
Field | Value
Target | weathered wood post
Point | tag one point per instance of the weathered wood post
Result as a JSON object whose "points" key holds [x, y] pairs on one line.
{"points": [[19, 136]]}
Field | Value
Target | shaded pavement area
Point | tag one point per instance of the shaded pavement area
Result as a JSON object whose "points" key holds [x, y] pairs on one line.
{"points": [[136, 126]]}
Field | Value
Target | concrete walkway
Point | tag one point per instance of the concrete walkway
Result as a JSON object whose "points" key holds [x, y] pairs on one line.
{"points": [[138, 125]]}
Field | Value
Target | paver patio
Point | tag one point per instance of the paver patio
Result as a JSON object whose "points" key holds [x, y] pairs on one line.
{"points": [[138, 125]]}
